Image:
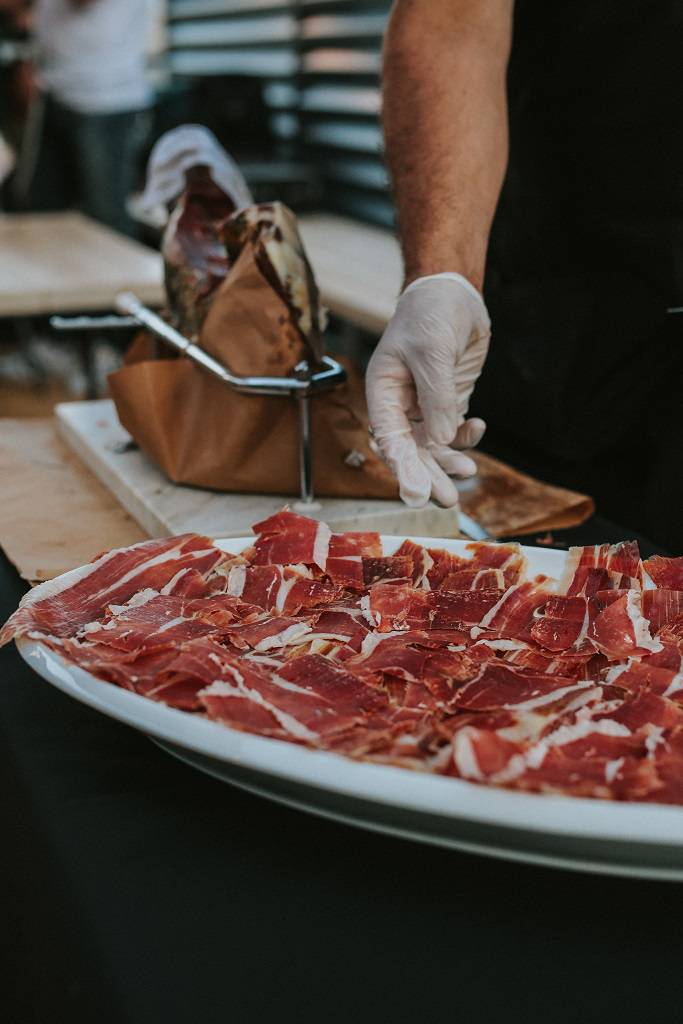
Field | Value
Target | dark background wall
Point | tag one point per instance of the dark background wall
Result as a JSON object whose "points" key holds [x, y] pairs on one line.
{"points": [[293, 87]]}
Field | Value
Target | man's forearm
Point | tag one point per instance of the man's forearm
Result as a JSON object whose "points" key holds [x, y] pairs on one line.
{"points": [[445, 125]]}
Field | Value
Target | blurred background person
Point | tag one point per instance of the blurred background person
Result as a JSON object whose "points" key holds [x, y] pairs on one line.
{"points": [[91, 87], [14, 24]]}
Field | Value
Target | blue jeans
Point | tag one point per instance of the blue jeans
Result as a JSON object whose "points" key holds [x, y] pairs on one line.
{"points": [[88, 161]]}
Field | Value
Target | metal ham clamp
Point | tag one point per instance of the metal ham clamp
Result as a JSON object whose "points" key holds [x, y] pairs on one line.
{"points": [[304, 385]]}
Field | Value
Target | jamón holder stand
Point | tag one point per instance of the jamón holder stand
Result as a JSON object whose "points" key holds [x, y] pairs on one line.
{"points": [[303, 385]]}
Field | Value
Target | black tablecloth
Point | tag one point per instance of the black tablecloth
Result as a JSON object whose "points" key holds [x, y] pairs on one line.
{"points": [[138, 890]]}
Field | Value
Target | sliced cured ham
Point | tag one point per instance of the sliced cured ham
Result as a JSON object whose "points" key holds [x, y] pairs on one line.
{"points": [[389, 654], [268, 632], [129, 670], [672, 633], [287, 538], [645, 709], [474, 578], [346, 545], [357, 572], [661, 607], [347, 555], [563, 624], [482, 755], [394, 567], [60, 607], [588, 581], [507, 558], [443, 563], [452, 664], [279, 588], [347, 624], [621, 630], [501, 687], [666, 573], [622, 559], [642, 674], [422, 562], [160, 622], [399, 606], [310, 698], [514, 614], [527, 655], [178, 681], [665, 777]]}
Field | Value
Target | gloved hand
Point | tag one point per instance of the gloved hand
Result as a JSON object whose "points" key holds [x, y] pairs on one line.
{"points": [[419, 382]]}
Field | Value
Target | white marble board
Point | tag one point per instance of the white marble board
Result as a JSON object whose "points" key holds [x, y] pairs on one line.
{"points": [[162, 508]]}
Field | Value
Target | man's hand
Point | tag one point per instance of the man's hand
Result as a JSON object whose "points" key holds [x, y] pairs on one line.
{"points": [[445, 131], [419, 383]]}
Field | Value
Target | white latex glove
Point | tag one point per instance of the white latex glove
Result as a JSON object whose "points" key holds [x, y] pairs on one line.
{"points": [[419, 382]]}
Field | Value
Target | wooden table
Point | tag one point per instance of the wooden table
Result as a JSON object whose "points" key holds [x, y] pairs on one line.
{"points": [[67, 263], [358, 268]]}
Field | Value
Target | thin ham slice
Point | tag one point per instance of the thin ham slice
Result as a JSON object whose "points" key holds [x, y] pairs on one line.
{"points": [[501, 687], [279, 588], [527, 655], [392, 655], [269, 632], [159, 622], [480, 755], [347, 554], [588, 580], [422, 562], [444, 563], [666, 573], [347, 624], [672, 634], [178, 681], [621, 630], [387, 568], [60, 607], [399, 606], [622, 559], [645, 709], [287, 538], [474, 578], [661, 607], [563, 624], [642, 674], [357, 572], [126, 669], [514, 614], [310, 698], [507, 558], [346, 545]]}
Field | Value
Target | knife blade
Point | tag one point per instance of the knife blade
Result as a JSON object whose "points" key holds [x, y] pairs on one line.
{"points": [[472, 529]]}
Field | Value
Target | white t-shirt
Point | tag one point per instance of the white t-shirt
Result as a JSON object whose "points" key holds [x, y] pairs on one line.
{"points": [[93, 58]]}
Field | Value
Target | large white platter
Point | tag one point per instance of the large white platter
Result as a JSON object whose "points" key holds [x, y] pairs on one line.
{"points": [[592, 835]]}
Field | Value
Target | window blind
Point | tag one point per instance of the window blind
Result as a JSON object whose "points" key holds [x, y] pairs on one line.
{"points": [[319, 64]]}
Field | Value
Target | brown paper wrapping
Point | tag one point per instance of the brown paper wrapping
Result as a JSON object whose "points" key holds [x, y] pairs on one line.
{"points": [[506, 502], [201, 432], [248, 327]]}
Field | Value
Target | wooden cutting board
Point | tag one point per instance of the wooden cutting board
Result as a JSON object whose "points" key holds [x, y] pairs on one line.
{"points": [[93, 431]]}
